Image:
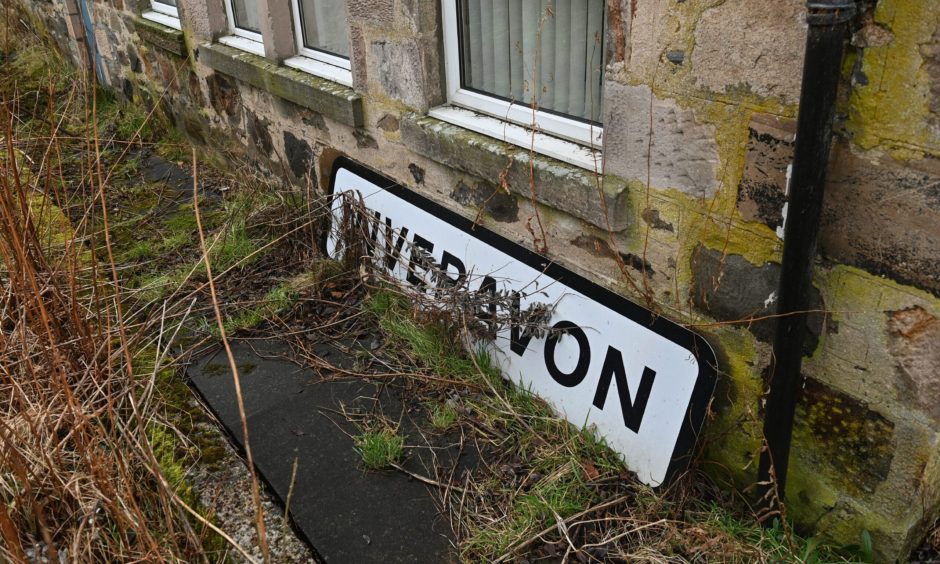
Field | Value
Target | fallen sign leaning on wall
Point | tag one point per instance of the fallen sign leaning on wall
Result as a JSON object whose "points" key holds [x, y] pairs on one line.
{"points": [[641, 381]]}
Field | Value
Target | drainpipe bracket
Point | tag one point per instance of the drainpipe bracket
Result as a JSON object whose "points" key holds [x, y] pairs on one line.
{"points": [[834, 12]]}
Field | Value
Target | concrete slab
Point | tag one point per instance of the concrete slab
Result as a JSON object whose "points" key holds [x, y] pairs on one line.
{"points": [[347, 514], [157, 169]]}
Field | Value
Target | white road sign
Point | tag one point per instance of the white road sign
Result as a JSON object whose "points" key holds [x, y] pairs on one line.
{"points": [[642, 381]]}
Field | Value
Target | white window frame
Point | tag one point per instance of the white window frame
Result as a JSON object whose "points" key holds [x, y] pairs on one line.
{"points": [[243, 39], [319, 63], [163, 14], [546, 132]]}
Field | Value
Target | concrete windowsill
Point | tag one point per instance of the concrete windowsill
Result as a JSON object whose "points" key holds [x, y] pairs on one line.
{"points": [[332, 100], [559, 185], [160, 35]]}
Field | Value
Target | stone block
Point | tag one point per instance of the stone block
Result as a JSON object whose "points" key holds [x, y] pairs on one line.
{"points": [[889, 495], [223, 95], [205, 20], [677, 152], [556, 184], [328, 98], [489, 199], [259, 134], [913, 337], [380, 12], [763, 189], [728, 56], [931, 55], [895, 80], [875, 351], [279, 40], [407, 71], [357, 56], [846, 435], [300, 157], [729, 288], [884, 216]]}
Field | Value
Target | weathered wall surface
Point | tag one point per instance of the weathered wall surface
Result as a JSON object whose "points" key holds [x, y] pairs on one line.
{"points": [[700, 99]]}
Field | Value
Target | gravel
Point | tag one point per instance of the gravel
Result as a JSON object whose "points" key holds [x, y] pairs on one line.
{"points": [[224, 489]]}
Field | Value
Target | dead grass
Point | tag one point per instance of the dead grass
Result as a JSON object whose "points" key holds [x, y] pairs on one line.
{"points": [[546, 489], [96, 437], [81, 439]]}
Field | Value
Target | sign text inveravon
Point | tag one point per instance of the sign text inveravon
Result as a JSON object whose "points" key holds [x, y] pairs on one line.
{"points": [[640, 380]]}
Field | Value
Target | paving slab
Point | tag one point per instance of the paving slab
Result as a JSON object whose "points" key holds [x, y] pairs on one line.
{"points": [[158, 169], [348, 514]]}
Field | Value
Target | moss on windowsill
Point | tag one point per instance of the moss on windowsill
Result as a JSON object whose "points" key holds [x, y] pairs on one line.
{"points": [[164, 37], [561, 186], [332, 100]]}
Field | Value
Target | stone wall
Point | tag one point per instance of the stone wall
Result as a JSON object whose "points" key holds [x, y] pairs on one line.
{"points": [[700, 99]]}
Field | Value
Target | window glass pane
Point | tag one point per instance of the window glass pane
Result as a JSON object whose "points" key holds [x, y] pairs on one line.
{"points": [[246, 15], [167, 2], [545, 51], [324, 26]]}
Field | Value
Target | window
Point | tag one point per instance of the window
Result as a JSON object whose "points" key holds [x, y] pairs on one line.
{"points": [[164, 12], [537, 64], [245, 26], [322, 41]]}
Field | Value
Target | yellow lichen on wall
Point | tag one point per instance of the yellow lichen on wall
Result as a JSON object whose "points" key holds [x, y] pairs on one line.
{"points": [[716, 222], [732, 438], [891, 111]]}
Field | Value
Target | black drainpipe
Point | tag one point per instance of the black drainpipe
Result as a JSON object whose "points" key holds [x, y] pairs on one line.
{"points": [[828, 23]]}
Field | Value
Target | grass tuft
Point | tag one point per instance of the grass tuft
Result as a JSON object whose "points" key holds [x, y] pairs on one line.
{"points": [[380, 449], [442, 416], [278, 300], [429, 344]]}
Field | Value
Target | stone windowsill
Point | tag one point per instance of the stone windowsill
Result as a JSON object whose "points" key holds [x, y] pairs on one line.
{"points": [[559, 185], [162, 36], [327, 98]]}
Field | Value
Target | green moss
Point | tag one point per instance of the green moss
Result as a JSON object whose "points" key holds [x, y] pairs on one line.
{"points": [[173, 146], [212, 455], [123, 120], [179, 230], [52, 226], [215, 369], [891, 111], [165, 444], [35, 66], [732, 436], [173, 455]]}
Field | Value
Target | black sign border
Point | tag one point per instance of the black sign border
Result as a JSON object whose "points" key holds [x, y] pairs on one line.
{"points": [[690, 341]]}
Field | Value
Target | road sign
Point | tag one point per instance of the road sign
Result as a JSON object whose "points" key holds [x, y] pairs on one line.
{"points": [[642, 381]]}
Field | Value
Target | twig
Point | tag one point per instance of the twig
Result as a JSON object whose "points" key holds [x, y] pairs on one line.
{"points": [[519, 546], [290, 490], [255, 488], [427, 480]]}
